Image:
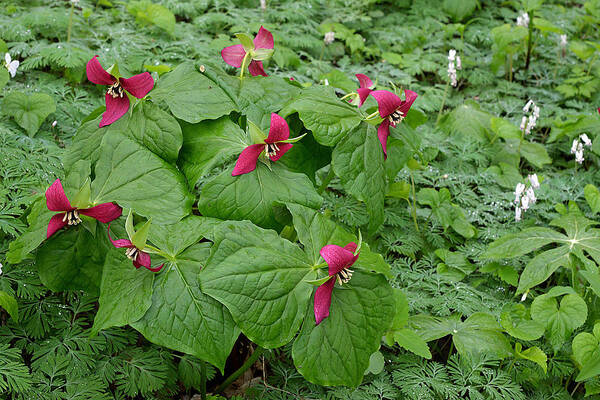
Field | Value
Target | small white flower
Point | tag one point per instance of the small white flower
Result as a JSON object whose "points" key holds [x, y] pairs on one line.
{"points": [[458, 63], [326, 82], [525, 203], [54, 123], [329, 37], [452, 74], [529, 104], [451, 55], [519, 191], [574, 146], [579, 156], [524, 296], [533, 179], [563, 40], [523, 122], [585, 139], [518, 214], [75, 2], [11, 65], [0, 268], [523, 20], [530, 195], [263, 4]]}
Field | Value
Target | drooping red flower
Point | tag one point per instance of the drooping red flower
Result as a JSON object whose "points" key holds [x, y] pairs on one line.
{"points": [[339, 260], [56, 200], [137, 256], [234, 55], [366, 87], [393, 110], [117, 101], [274, 146]]}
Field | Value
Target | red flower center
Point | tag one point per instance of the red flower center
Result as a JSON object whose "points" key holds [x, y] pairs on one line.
{"points": [[72, 217], [116, 90], [132, 253], [396, 117], [271, 149]]}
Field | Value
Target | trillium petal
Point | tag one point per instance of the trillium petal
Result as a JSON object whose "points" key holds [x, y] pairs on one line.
{"points": [[363, 93], [116, 107], [264, 39], [234, 55], [364, 81], [56, 223], [383, 131], [143, 259], [247, 160], [337, 258], [56, 199], [410, 98], [323, 300], [138, 85], [120, 242], [283, 148], [104, 213], [388, 102], [156, 269], [97, 74], [256, 68], [279, 129]]}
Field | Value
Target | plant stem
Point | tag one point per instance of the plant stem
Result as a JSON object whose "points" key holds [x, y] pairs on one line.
{"points": [[437, 121], [414, 202], [510, 68], [528, 43], [249, 362], [326, 181], [203, 380], [70, 22], [244, 65]]}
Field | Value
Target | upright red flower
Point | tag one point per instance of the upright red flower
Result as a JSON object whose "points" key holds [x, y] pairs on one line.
{"points": [[117, 101], [393, 110], [259, 49], [56, 200], [274, 146], [366, 87], [339, 260], [137, 256]]}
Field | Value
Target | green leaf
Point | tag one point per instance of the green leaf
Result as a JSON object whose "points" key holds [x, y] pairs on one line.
{"points": [[376, 363], [72, 260], [191, 96], [592, 196], [207, 144], [181, 316], [9, 303], [246, 41], [516, 321], [133, 177], [252, 196], [148, 13], [4, 76], [38, 220], [140, 237], [535, 153], [534, 354], [125, 292], [29, 110], [323, 113], [469, 121], [358, 161], [315, 231], [408, 339], [360, 313], [542, 266], [586, 352], [261, 278], [523, 242], [400, 190], [459, 9], [505, 129]]}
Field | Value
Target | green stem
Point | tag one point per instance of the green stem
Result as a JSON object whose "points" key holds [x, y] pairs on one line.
{"points": [[203, 380], [414, 202], [319, 266], [244, 65], [249, 362], [326, 181], [70, 22], [527, 60], [437, 121]]}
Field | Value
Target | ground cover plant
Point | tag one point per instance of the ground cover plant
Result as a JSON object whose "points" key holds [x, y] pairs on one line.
{"points": [[299, 200]]}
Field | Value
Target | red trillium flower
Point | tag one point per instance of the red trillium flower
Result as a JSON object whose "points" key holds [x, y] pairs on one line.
{"points": [[366, 87], [393, 110], [138, 257], [274, 146], [56, 200], [117, 101], [237, 54], [339, 260]]}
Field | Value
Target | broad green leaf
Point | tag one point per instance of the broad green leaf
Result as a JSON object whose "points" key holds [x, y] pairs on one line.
{"points": [[9, 303], [542, 266], [125, 292], [459, 9], [338, 350], [358, 161], [376, 363], [307, 156], [515, 319], [586, 352], [133, 177], [592, 196], [400, 190], [29, 110], [148, 13], [172, 239], [523, 242], [38, 220], [469, 121], [72, 260], [252, 196], [534, 354], [191, 96], [208, 143], [181, 316], [261, 278], [4, 76], [139, 238], [505, 129], [408, 339], [323, 113], [315, 231], [535, 153]]}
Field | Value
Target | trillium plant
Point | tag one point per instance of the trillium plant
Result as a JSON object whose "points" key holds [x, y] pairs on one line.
{"points": [[213, 183]]}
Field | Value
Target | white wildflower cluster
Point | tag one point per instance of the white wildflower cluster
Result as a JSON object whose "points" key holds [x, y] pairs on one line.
{"points": [[329, 38], [523, 20], [525, 196], [75, 2], [263, 4], [577, 147], [11, 65], [528, 123], [452, 58], [563, 41]]}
